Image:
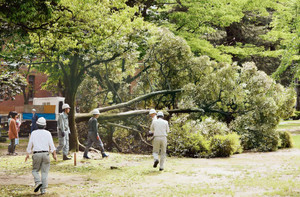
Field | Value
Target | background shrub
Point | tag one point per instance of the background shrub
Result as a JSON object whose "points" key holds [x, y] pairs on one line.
{"points": [[196, 146], [259, 141], [209, 138], [285, 139], [210, 127], [225, 145]]}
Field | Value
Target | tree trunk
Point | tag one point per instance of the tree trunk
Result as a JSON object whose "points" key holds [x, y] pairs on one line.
{"points": [[25, 96], [74, 144], [297, 89], [110, 142]]}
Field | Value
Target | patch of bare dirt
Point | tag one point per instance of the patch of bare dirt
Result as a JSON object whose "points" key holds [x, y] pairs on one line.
{"points": [[53, 178]]}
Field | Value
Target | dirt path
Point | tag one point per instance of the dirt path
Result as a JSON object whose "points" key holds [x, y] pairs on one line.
{"points": [[53, 178]]}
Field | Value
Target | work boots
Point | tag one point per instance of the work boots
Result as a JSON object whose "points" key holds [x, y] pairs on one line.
{"points": [[86, 157], [155, 163], [65, 157], [104, 155]]}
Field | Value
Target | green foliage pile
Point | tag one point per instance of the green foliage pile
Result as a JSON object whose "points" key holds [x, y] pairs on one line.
{"points": [[248, 100], [209, 138], [285, 139], [225, 145]]}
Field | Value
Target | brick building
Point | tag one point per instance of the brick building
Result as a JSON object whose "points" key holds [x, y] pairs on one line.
{"points": [[35, 80]]}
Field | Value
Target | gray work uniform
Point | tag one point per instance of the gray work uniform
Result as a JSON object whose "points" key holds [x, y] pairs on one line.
{"points": [[160, 128], [63, 126], [41, 143], [92, 136]]}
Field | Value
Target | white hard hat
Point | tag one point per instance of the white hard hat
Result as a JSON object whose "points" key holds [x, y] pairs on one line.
{"points": [[152, 111], [33, 110], [95, 112], [160, 113], [65, 106], [41, 121]]}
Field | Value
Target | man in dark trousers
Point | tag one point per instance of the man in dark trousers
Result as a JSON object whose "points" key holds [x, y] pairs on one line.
{"points": [[34, 118], [93, 136], [41, 143]]}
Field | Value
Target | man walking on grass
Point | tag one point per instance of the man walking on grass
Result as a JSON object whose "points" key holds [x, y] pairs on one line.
{"points": [[63, 132], [93, 136], [159, 128], [41, 143]]}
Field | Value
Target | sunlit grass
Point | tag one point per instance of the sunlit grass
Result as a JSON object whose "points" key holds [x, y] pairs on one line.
{"points": [[296, 141], [248, 174]]}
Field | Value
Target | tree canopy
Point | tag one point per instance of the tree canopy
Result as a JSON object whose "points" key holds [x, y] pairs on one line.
{"points": [[178, 56]]}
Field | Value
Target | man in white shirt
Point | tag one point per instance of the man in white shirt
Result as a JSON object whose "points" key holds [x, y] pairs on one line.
{"points": [[159, 128], [40, 143]]}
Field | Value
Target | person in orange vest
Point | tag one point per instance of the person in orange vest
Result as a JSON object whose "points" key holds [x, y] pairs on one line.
{"points": [[12, 133]]}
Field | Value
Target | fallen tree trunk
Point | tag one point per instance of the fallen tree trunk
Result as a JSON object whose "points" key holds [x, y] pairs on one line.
{"points": [[85, 116], [124, 115], [141, 98]]}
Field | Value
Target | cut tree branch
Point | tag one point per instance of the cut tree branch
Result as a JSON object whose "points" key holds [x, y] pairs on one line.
{"points": [[125, 104], [129, 128]]}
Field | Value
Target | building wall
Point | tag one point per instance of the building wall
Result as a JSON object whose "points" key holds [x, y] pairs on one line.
{"points": [[18, 103]]}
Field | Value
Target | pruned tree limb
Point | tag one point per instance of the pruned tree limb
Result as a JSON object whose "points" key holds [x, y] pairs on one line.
{"points": [[129, 128], [125, 115], [125, 104], [85, 116]]}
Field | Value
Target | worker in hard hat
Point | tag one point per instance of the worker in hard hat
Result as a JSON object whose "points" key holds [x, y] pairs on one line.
{"points": [[152, 114], [159, 128], [34, 118], [93, 136], [63, 131], [41, 143]]}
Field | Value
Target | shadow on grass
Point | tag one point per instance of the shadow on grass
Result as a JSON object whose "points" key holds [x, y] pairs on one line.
{"points": [[152, 172]]}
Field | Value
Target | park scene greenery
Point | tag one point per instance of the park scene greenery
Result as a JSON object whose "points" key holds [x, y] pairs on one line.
{"points": [[225, 74]]}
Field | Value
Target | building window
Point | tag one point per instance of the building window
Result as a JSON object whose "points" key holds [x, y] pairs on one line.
{"points": [[31, 80]]}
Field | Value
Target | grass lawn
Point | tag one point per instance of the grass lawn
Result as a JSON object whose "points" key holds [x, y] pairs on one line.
{"points": [[248, 174], [296, 141], [293, 126]]}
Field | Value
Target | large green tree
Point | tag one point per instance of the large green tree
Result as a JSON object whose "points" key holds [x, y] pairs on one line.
{"points": [[87, 33]]}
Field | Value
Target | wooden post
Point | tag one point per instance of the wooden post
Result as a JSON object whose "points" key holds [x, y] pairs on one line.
{"points": [[75, 159]]}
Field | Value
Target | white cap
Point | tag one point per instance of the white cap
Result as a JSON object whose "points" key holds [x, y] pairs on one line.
{"points": [[95, 112], [152, 111], [33, 110], [65, 106], [160, 113], [41, 121]]}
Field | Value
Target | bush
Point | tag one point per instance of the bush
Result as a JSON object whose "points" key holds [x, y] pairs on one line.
{"points": [[209, 138], [210, 127], [225, 145], [285, 140], [196, 146], [296, 115], [259, 140]]}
